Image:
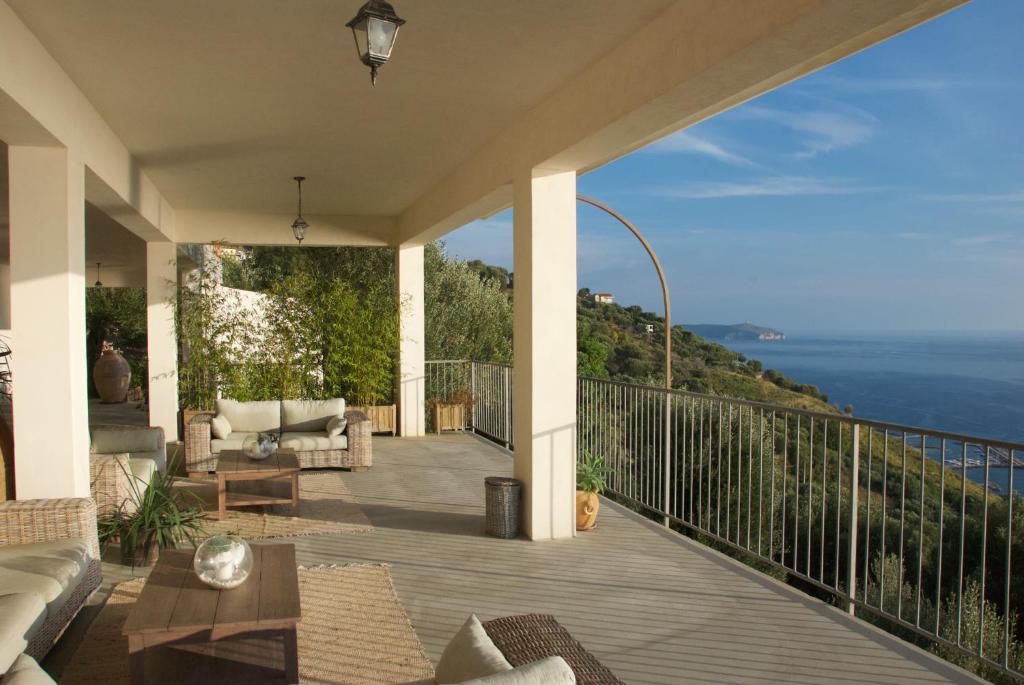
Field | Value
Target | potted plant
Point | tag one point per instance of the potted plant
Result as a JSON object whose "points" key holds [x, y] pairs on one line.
{"points": [[150, 520], [451, 413], [590, 482]]}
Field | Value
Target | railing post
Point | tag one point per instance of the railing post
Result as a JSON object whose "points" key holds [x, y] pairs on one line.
{"points": [[472, 393], [851, 566], [667, 444]]}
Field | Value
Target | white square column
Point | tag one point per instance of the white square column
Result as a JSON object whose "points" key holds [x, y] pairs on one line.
{"points": [[161, 336], [544, 350], [411, 369], [51, 410]]}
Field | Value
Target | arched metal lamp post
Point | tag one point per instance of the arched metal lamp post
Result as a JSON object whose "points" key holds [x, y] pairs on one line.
{"points": [[667, 458]]}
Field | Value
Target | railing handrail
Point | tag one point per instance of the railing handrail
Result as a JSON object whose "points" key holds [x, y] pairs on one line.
{"points": [[847, 419]]}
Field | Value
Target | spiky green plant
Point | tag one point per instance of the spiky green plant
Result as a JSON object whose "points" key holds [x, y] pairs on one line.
{"points": [[590, 473]]}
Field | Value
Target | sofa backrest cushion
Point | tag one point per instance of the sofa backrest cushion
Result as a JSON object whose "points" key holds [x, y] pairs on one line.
{"points": [[308, 416], [138, 442], [251, 417], [117, 440]]}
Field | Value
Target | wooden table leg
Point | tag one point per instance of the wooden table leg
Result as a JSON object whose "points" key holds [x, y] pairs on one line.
{"points": [[136, 660], [295, 494], [291, 655], [221, 496]]}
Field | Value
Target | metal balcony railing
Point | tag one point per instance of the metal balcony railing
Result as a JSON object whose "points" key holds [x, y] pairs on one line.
{"points": [[882, 519]]}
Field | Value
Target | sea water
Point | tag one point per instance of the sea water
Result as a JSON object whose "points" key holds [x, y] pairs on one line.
{"points": [[969, 383]]}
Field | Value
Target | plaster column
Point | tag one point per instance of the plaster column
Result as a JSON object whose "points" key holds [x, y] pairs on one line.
{"points": [[51, 411], [544, 340], [161, 336], [411, 372]]}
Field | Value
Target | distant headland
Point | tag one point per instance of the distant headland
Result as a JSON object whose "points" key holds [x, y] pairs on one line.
{"points": [[735, 332]]}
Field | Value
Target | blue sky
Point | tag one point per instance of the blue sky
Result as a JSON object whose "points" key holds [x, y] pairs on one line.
{"points": [[885, 192]]}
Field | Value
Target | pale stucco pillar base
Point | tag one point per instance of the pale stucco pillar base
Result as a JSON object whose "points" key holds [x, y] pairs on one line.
{"points": [[51, 411], [411, 370], [161, 336], [544, 340]]}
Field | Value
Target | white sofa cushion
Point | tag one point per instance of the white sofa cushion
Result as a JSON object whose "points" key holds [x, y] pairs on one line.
{"points": [[143, 470], [309, 416], [552, 670], [310, 442], [138, 442], [336, 426], [251, 417], [26, 671], [21, 613], [116, 440], [470, 654], [220, 427], [232, 442], [52, 570]]}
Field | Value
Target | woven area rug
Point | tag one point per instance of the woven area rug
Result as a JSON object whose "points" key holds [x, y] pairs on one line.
{"points": [[354, 630], [326, 506]]}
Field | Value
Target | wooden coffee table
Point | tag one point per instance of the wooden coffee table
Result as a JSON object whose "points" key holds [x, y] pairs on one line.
{"points": [[176, 608], [233, 465]]}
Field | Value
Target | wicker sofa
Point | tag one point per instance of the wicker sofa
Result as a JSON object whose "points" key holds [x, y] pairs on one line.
{"points": [[301, 425], [49, 566]]}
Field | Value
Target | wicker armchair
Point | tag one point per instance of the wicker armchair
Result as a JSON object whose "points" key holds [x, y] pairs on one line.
{"points": [[42, 520], [118, 454], [358, 456]]}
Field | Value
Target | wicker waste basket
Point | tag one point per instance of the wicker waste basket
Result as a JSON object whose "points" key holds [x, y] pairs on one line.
{"points": [[503, 506]]}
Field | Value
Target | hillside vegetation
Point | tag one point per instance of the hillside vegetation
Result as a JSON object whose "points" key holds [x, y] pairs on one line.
{"points": [[616, 343]]}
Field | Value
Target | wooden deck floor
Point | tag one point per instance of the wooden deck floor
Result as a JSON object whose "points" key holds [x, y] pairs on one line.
{"points": [[653, 606]]}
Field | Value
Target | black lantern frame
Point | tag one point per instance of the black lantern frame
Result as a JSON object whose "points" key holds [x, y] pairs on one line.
{"points": [[375, 28]]}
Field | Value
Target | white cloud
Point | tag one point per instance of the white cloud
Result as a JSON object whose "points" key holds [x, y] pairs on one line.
{"points": [[889, 85], [825, 130], [985, 239], [907, 84], [775, 186], [1012, 197], [687, 143], [912, 235]]}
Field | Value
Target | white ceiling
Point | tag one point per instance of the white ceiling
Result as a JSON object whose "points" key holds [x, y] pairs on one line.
{"points": [[223, 102]]}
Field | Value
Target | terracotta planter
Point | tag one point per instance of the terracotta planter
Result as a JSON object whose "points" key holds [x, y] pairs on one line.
{"points": [[111, 374], [449, 417], [587, 506]]}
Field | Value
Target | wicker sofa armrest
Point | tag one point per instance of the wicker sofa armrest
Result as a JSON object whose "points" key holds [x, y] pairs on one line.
{"points": [[108, 481], [197, 442], [40, 520], [360, 434], [530, 637]]}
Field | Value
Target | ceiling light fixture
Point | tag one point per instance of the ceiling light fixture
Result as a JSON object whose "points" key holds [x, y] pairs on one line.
{"points": [[98, 283], [299, 226], [375, 28]]}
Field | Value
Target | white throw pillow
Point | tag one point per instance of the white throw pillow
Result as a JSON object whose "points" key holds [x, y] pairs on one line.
{"points": [[552, 670], [220, 426], [470, 654], [336, 426]]}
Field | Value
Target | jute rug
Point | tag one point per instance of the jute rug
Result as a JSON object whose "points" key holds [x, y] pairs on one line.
{"points": [[326, 506], [353, 630]]}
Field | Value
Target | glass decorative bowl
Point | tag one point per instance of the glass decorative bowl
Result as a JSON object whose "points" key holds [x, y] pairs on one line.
{"points": [[260, 447], [223, 561]]}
